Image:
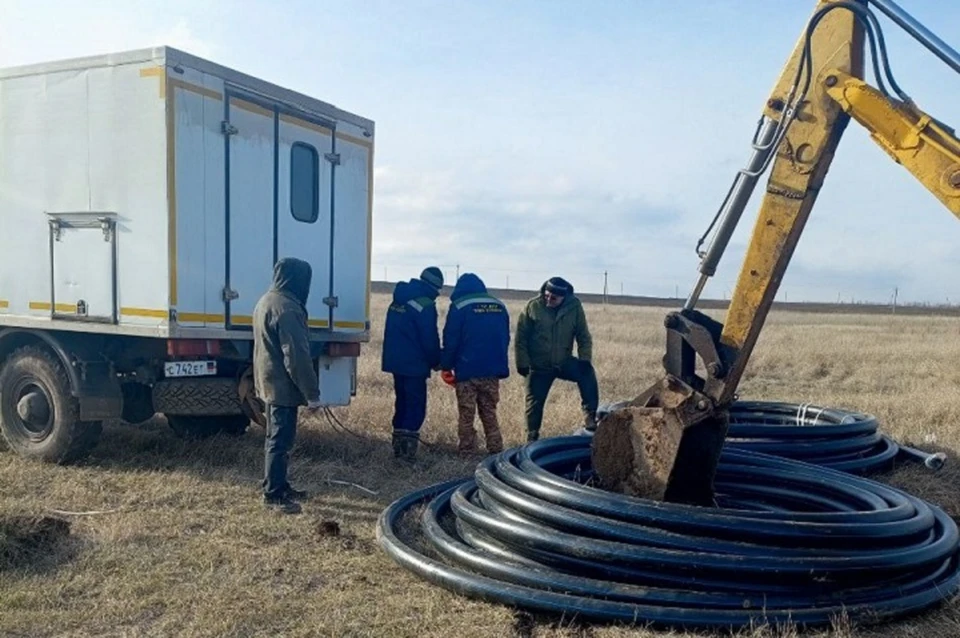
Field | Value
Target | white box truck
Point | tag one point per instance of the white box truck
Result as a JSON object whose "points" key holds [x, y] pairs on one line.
{"points": [[145, 197]]}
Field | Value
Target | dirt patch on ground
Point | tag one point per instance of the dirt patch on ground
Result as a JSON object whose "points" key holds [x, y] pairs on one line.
{"points": [[327, 529], [331, 531], [25, 539]]}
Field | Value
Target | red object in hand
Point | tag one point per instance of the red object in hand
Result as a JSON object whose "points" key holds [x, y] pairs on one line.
{"points": [[448, 377]]}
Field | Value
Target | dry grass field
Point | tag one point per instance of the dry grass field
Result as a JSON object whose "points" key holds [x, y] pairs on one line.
{"points": [[179, 544]]}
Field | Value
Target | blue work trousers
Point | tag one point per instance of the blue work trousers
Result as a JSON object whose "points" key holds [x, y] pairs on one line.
{"points": [[410, 404]]}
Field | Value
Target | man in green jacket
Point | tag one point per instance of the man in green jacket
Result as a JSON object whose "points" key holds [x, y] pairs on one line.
{"points": [[284, 374], [546, 330]]}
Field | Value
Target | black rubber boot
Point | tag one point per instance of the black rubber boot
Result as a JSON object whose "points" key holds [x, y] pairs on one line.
{"points": [[410, 448], [397, 444], [405, 445], [533, 435]]}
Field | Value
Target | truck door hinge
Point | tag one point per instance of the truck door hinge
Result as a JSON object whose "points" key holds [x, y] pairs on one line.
{"points": [[229, 294], [332, 302], [57, 228], [333, 158], [108, 226], [227, 128]]}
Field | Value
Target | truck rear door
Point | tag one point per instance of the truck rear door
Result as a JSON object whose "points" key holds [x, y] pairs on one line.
{"points": [[279, 202], [305, 212]]}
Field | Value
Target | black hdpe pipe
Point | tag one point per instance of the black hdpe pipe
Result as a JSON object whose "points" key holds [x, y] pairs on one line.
{"points": [[839, 439], [791, 541]]}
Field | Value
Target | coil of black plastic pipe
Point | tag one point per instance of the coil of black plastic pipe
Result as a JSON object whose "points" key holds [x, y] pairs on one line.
{"points": [[790, 541], [839, 439]]}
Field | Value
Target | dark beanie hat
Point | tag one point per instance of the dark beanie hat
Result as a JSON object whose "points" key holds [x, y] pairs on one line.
{"points": [[432, 276], [558, 286]]}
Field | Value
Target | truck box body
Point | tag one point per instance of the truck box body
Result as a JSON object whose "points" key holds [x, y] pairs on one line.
{"points": [[149, 193]]}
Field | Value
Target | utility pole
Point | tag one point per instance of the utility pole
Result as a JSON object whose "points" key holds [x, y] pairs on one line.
{"points": [[621, 288], [676, 291], [458, 272], [604, 287], [896, 291]]}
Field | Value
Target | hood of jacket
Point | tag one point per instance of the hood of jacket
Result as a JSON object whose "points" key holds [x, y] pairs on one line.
{"points": [[293, 276], [468, 284], [404, 291]]}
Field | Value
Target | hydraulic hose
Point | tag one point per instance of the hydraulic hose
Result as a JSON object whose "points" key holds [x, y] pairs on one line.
{"points": [[790, 541]]}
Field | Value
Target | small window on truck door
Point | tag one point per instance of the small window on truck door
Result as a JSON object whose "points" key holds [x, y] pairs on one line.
{"points": [[304, 182]]}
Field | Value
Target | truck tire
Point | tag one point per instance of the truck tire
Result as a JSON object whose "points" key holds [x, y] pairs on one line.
{"points": [[197, 397], [39, 416], [202, 427]]}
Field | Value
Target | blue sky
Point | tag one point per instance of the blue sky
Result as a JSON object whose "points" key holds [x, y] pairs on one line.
{"points": [[530, 138]]}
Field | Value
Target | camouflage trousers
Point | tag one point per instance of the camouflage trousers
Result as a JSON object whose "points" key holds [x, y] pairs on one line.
{"points": [[478, 395]]}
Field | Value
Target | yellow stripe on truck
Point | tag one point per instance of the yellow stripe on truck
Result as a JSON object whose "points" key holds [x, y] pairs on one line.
{"points": [[323, 323], [200, 317], [145, 312], [45, 306], [160, 72]]}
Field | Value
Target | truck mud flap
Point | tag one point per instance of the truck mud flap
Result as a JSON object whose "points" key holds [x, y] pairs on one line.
{"points": [[98, 392]]}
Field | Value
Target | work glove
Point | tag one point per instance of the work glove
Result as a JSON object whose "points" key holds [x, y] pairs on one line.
{"points": [[313, 406], [524, 371]]}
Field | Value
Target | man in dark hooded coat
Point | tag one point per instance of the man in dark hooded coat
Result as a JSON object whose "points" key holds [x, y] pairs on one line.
{"points": [[284, 374]]}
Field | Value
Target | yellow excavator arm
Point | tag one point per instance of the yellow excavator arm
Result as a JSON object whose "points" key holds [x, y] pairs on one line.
{"points": [[682, 419], [832, 50], [911, 137]]}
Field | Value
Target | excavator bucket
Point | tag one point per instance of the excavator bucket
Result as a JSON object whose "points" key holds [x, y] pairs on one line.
{"points": [[664, 445]]}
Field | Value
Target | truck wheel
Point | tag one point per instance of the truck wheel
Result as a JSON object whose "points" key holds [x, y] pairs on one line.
{"points": [[39, 417]]}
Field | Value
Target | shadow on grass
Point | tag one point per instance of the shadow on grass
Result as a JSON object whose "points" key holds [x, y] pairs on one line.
{"points": [[154, 446], [326, 459]]}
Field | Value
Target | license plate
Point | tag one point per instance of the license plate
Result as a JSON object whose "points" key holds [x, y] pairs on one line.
{"points": [[189, 368]]}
